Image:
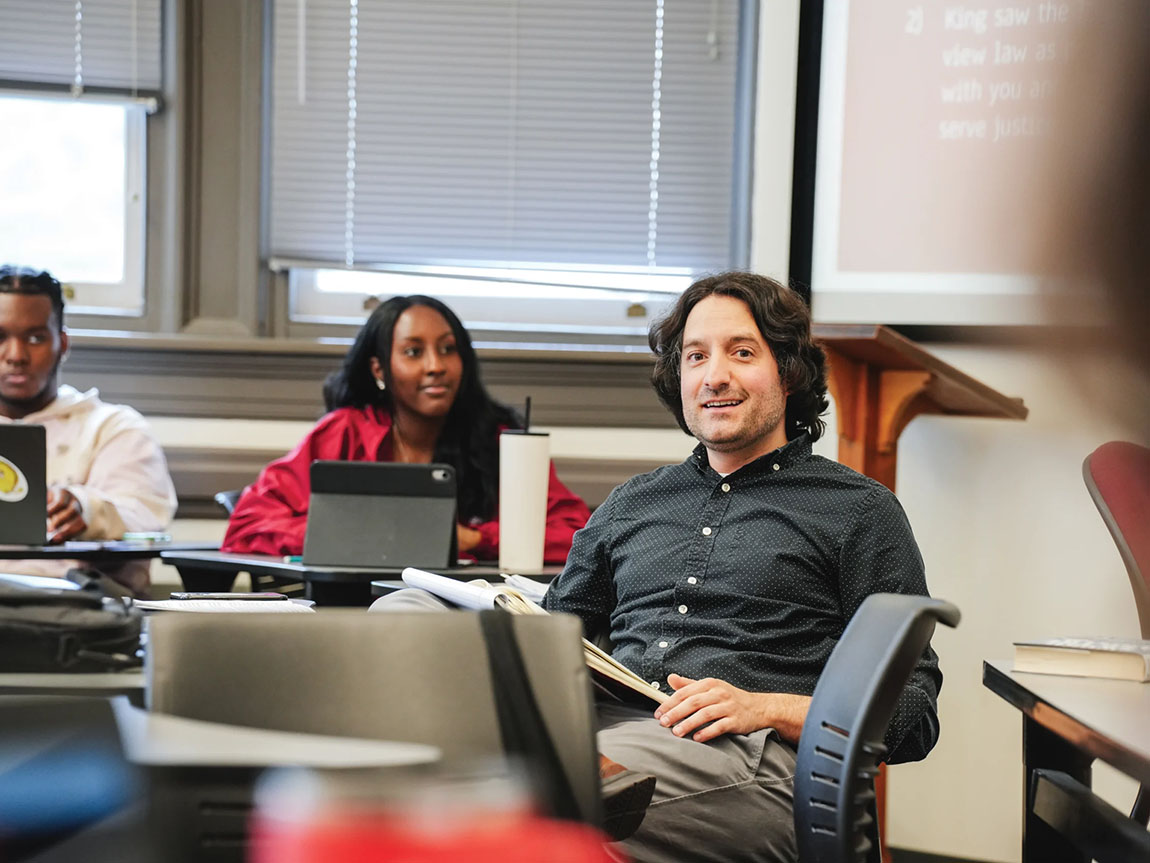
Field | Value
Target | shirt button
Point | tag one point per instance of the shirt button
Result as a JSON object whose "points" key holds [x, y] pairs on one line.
{"points": [[775, 466], [706, 531], [725, 486], [655, 683], [692, 580], [682, 609], [662, 644]]}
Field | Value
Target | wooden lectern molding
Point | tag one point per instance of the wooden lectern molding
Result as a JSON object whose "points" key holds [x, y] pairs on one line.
{"points": [[881, 380]]}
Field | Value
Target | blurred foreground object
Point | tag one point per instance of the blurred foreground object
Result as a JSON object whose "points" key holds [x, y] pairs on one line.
{"points": [[1097, 221], [66, 789], [313, 817]]}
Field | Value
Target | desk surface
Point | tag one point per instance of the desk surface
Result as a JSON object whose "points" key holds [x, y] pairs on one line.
{"points": [[266, 564], [117, 549], [160, 740], [94, 683], [1107, 719]]}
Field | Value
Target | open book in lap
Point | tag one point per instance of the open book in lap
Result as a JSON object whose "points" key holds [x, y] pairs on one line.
{"points": [[611, 679]]}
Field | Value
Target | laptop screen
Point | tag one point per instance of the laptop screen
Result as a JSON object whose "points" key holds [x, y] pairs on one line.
{"points": [[23, 486]]}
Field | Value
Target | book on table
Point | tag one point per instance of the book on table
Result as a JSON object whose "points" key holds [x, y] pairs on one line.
{"points": [[1120, 658], [609, 677]]}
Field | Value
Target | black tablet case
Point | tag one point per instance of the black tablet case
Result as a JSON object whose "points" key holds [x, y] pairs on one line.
{"points": [[381, 514]]}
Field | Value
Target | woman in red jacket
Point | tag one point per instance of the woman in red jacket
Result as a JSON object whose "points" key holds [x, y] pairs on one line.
{"points": [[408, 391]]}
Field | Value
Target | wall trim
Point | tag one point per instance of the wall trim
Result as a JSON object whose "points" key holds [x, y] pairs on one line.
{"points": [[282, 379]]}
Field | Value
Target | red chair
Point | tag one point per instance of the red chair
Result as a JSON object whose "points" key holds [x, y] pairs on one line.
{"points": [[1118, 477]]}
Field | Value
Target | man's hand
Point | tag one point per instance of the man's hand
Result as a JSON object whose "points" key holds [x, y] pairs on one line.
{"points": [[64, 518], [729, 710]]}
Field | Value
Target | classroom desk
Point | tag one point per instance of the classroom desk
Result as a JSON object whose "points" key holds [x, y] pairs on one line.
{"points": [[161, 740], [195, 798], [326, 585], [1067, 722], [128, 683], [103, 551], [201, 775]]}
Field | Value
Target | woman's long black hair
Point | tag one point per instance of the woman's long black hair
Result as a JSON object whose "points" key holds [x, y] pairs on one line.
{"points": [[469, 440]]}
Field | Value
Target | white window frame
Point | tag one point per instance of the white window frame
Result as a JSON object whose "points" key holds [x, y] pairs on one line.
{"points": [[509, 304], [126, 297]]}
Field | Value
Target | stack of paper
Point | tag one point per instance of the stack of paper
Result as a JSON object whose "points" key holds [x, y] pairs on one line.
{"points": [[232, 606]]}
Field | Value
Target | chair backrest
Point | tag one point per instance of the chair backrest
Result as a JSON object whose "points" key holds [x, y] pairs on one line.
{"points": [[227, 499], [854, 700], [423, 678], [1117, 475]]}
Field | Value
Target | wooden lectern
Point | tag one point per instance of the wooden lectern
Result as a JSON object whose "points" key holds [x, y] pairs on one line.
{"points": [[880, 381]]}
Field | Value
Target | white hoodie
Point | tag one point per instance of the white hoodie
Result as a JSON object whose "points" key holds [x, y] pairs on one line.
{"points": [[106, 456]]}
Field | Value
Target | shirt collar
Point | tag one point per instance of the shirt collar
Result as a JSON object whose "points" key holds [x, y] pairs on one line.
{"points": [[792, 452]]}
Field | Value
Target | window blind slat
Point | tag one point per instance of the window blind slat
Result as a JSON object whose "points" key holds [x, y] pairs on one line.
{"points": [[505, 131], [40, 43]]}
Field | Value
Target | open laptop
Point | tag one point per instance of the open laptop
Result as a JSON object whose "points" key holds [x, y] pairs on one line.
{"points": [[23, 485], [381, 515]]}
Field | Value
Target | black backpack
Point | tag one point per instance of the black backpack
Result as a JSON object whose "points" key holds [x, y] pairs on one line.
{"points": [[45, 630]]}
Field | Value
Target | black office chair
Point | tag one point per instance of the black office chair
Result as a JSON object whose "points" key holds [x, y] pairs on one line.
{"points": [[841, 743], [288, 586], [227, 499]]}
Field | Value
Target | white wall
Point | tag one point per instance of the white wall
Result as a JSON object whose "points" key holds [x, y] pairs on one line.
{"points": [[774, 136], [1011, 536]]}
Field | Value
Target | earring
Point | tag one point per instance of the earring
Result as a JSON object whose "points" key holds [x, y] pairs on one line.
{"points": [[379, 383]]}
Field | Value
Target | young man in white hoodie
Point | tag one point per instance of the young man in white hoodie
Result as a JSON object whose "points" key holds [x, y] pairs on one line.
{"points": [[106, 472]]}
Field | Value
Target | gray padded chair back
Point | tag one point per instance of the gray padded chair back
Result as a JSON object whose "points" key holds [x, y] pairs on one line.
{"points": [[841, 744], [422, 678]]}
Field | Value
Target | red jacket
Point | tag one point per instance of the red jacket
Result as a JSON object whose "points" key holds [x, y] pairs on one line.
{"points": [[271, 515]]}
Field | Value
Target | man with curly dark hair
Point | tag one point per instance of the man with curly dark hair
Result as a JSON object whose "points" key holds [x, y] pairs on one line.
{"points": [[784, 326], [727, 580]]}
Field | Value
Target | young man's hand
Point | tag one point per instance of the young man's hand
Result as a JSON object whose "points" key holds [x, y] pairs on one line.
{"points": [[711, 707], [65, 521], [467, 537]]}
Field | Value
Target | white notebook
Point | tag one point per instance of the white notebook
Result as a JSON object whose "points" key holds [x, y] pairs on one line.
{"points": [[231, 606]]}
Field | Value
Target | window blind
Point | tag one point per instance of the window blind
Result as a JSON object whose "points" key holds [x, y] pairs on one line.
{"points": [[110, 45], [595, 134]]}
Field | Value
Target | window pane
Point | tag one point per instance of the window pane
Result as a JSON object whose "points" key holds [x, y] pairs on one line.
{"points": [[483, 134], [62, 188]]}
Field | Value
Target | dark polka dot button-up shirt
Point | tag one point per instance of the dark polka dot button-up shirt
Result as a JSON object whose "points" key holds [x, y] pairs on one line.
{"points": [[750, 578]]}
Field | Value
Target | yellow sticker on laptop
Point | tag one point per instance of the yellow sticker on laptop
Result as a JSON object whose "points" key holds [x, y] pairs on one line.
{"points": [[13, 485]]}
